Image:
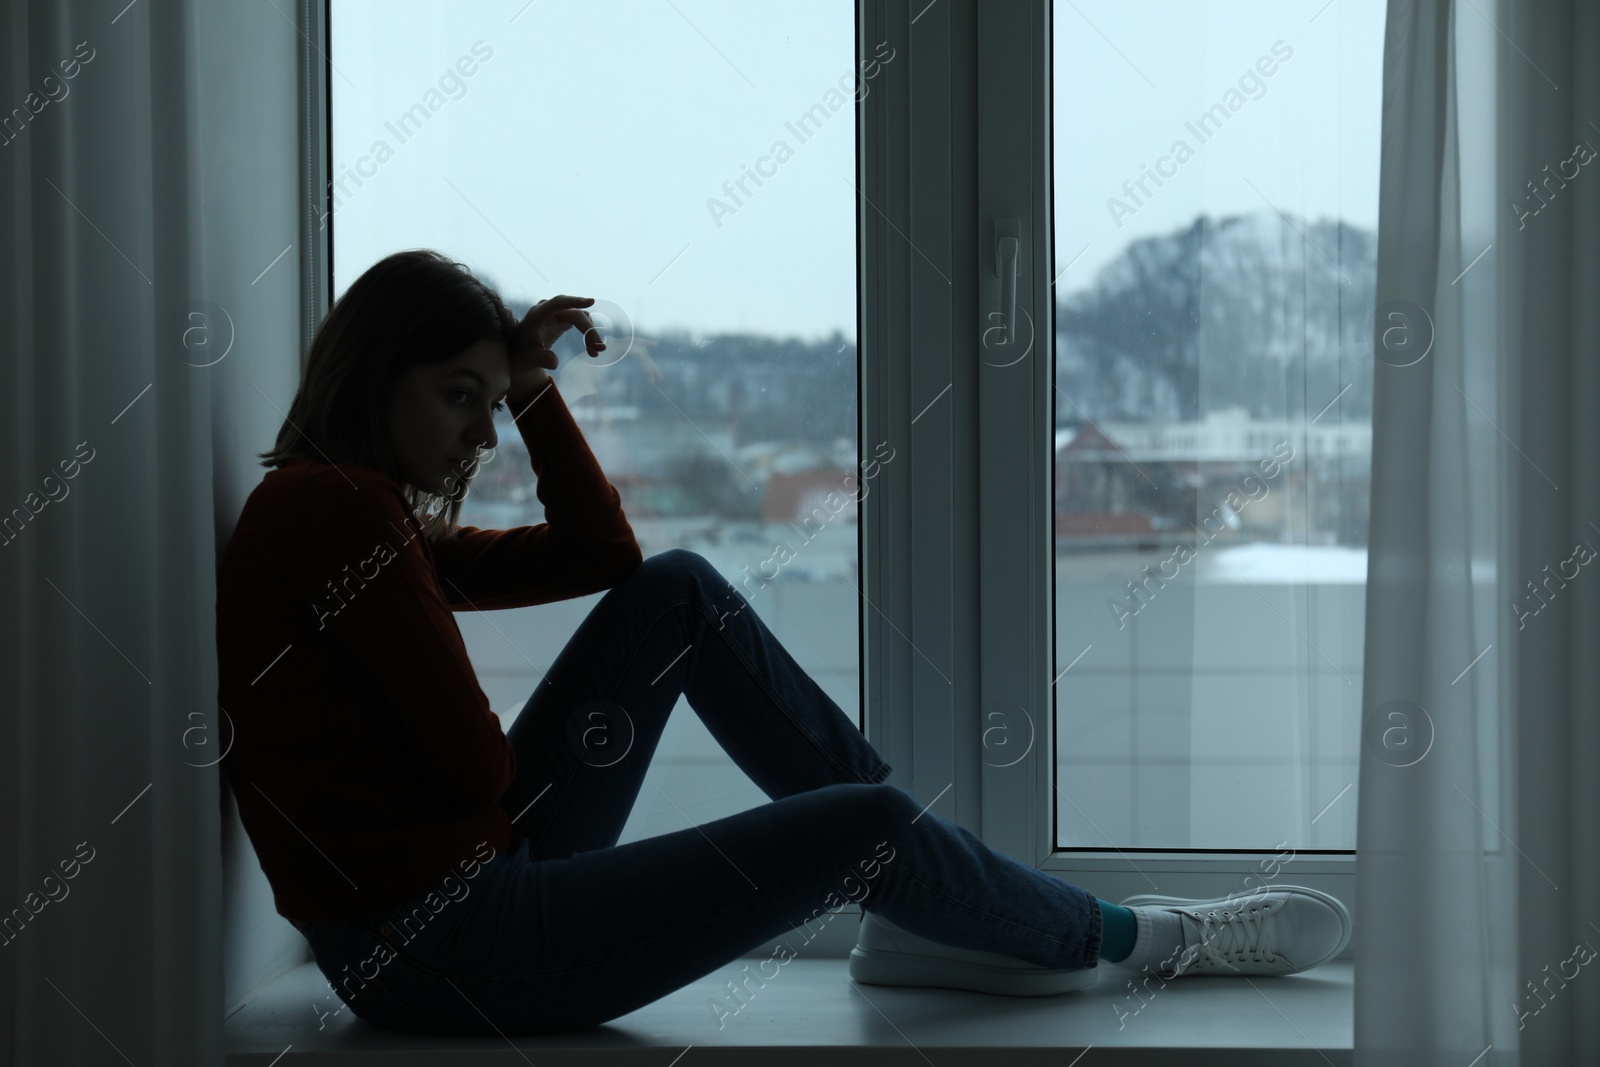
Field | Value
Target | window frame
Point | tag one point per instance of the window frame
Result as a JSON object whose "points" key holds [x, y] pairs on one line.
{"points": [[956, 636], [953, 626]]}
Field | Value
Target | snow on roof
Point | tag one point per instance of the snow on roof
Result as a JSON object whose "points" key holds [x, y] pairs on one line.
{"points": [[1277, 564]]}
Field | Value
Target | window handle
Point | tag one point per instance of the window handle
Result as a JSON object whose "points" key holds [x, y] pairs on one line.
{"points": [[1007, 251]]}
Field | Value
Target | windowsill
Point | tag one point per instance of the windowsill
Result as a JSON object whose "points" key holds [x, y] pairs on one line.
{"points": [[811, 1012]]}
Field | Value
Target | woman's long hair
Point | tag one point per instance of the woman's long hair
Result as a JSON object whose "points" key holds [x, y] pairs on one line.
{"points": [[407, 309]]}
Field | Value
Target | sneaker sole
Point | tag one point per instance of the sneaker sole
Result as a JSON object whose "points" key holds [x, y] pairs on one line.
{"points": [[1147, 899], [905, 969]]}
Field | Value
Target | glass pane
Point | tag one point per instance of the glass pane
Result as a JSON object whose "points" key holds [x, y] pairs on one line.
{"points": [[690, 166], [1215, 257]]}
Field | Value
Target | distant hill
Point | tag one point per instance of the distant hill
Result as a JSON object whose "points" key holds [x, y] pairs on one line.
{"points": [[767, 388], [1255, 311]]}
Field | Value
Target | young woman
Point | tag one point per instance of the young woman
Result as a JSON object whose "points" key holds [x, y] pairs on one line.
{"points": [[454, 878]]}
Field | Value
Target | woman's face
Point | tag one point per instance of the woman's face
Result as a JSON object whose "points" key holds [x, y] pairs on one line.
{"points": [[440, 414]]}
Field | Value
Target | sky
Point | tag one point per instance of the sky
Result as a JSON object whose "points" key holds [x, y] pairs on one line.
{"points": [[594, 148], [1131, 78]]}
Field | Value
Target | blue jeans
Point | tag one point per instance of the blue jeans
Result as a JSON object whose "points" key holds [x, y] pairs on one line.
{"points": [[567, 929]]}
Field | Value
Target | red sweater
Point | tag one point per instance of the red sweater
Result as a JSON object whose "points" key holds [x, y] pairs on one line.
{"points": [[365, 759]]}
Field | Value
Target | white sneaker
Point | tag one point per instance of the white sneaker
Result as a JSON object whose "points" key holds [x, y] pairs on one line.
{"points": [[1283, 930], [886, 954]]}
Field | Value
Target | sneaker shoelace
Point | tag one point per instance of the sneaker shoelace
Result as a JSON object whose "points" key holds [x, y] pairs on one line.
{"points": [[1224, 938]]}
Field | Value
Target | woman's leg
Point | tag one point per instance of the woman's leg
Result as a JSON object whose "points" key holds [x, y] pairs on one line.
{"points": [[693, 900], [674, 626], [559, 944]]}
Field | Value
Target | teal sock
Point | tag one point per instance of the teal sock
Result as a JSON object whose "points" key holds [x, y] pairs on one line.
{"points": [[1118, 931]]}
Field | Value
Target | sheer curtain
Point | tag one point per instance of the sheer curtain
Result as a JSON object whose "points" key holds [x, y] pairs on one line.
{"points": [[1479, 882], [150, 171]]}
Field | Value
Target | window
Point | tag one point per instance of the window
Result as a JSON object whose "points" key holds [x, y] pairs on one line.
{"points": [[691, 166], [1084, 346], [1216, 234], [1160, 339]]}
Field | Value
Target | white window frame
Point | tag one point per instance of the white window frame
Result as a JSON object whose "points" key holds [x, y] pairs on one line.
{"points": [[957, 543], [316, 126], [957, 538]]}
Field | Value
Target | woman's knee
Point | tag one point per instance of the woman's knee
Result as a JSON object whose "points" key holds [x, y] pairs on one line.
{"points": [[875, 808], [878, 819], [679, 576], [679, 561]]}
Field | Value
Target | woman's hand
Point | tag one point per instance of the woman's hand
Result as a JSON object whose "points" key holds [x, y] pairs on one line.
{"points": [[531, 356]]}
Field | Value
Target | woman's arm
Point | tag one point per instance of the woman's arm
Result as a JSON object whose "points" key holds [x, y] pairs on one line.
{"points": [[370, 590], [530, 352], [584, 545]]}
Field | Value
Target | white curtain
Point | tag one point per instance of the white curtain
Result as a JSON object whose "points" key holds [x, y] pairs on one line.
{"points": [[150, 176], [1478, 877]]}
